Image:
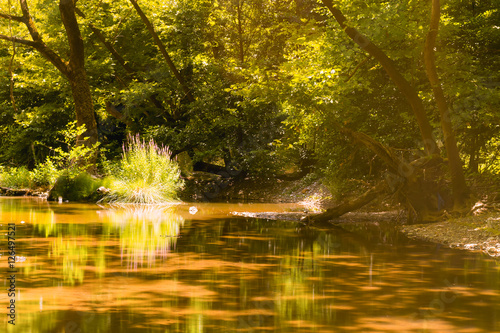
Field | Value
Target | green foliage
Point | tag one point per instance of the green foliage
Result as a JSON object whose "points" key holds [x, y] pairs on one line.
{"points": [[18, 178], [45, 174], [146, 174], [76, 158]]}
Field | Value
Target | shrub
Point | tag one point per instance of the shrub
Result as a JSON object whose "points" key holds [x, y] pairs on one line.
{"points": [[16, 178], [45, 174], [76, 158], [75, 188], [146, 174]]}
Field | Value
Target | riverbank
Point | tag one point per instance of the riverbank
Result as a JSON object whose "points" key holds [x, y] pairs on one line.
{"points": [[13, 192], [480, 231], [308, 191], [473, 233]]}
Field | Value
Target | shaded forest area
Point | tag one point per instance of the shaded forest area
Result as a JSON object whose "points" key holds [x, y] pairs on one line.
{"points": [[394, 98]]}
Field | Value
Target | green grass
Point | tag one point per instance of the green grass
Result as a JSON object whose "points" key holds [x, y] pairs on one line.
{"points": [[145, 175]]}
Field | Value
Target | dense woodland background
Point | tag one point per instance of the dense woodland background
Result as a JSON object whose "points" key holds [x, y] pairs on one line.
{"points": [[400, 95]]}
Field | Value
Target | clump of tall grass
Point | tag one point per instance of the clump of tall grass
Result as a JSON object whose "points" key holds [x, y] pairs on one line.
{"points": [[145, 175]]}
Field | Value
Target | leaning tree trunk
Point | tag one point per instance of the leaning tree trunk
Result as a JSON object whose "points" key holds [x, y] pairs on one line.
{"points": [[163, 50], [418, 185], [349, 206]]}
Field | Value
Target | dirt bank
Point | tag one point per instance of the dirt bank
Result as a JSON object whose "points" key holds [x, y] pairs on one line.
{"points": [[308, 191]]}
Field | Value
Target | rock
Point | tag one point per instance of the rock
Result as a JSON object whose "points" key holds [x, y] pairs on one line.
{"points": [[493, 223], [102, 189]]}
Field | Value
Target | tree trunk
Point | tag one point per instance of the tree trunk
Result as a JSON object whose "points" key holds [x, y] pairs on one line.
{"points": [[84, 108], [77, 76], [241, 50], [460, 190], [417, 185], [474, 155]]}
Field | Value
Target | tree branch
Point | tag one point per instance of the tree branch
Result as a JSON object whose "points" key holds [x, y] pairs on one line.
{"points": [[12, 17], [117, 114], [29, 22], [349, 206], [38, 43], [11, 73], [163, 50], [356, 69], [112, 50], [19, 40], [99, 34]]}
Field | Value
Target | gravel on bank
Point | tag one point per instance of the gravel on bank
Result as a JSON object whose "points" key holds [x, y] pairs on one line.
{"points": [[473, 233]]}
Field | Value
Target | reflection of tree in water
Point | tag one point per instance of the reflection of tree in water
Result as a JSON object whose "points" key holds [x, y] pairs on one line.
{"points": [[237, 274], [146, 232]]}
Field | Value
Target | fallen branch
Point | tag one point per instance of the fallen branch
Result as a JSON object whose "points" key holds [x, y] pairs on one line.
{"points": [[349, 206], [14, 192]]}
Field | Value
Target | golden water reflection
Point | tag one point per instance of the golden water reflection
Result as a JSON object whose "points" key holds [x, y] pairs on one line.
{"points": [[164, 269]]}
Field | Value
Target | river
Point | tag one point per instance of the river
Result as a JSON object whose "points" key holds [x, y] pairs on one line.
{"points": [[198, 268]]}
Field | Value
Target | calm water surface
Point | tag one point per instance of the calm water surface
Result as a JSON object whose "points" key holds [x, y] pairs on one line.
{"points": [[93, 269]]}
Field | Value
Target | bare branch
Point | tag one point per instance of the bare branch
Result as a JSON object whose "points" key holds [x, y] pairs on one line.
{"points": [[12, 17], [19, 40]]}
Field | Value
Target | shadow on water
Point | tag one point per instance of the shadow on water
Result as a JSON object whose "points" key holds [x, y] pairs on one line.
{"points": [[171, 269]]}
